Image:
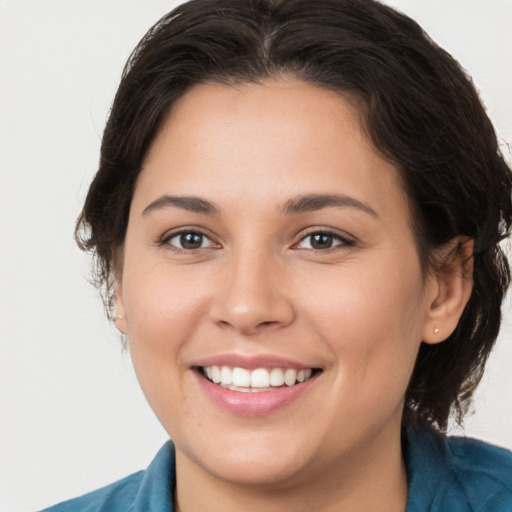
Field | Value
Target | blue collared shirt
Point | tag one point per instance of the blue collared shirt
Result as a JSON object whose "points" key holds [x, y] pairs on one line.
{"points": [[445, 475]]}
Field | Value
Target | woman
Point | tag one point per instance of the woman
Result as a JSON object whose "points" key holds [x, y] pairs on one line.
{"points": [[296, 220]]}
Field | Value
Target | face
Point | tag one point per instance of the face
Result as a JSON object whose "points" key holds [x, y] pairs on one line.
{"points": [[269, 247]]}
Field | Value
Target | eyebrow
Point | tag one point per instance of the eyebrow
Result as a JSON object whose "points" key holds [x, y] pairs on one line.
{"points": [[313, 202], [300, 204], [190, 203]]}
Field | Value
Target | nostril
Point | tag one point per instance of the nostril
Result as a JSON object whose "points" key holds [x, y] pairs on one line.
{"points": [[250, 309]]}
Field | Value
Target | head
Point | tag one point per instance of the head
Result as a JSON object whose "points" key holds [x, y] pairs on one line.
{"points": [[414, 108]]}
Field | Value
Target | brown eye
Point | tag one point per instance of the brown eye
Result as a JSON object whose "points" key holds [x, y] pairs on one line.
{"points": [[320, 240], [189, 241]]}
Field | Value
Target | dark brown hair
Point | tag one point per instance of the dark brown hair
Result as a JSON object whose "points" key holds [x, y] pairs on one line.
{"points": [[419, 109]]}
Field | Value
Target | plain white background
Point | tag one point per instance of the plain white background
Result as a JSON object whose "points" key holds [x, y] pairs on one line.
{"points": [[72, 417]]}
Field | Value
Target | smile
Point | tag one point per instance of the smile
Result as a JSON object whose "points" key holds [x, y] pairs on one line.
{"points": [[257, 380]]}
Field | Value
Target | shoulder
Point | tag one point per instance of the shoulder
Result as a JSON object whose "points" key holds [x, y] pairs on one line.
{"points": [[145, 491], [482, 470], [457, 474], [117, 496]]}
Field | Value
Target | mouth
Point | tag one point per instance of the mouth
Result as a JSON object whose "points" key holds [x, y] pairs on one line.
{"points": [[258, 380]]}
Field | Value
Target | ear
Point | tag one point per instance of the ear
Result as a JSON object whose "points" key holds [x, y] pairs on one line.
{"points": [[448, 289], [119, 311]]}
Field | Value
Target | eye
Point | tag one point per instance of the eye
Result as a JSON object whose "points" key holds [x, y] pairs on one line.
{"points": [[189, 241], [322, 240]]}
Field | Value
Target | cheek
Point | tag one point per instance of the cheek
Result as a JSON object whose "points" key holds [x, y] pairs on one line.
{"points": [[383, 297], [371, 321], [159, 331], [163, 309], [162, 305]]}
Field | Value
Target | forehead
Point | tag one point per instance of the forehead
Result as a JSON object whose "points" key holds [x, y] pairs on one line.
{"points": [[212, 117], [280, 137]]}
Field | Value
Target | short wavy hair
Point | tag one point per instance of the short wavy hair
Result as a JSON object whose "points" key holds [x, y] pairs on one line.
{"points": [[418, 107]]}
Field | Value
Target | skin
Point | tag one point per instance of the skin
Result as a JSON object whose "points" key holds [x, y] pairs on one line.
{"points": [[358, 310]]}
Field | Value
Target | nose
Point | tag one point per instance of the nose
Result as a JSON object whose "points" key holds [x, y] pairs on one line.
{"points": [[253, 295]]}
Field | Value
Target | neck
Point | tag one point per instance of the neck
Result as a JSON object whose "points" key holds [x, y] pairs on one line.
{"points": [[373, 479]]}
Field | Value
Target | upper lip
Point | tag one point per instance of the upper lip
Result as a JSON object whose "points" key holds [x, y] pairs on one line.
{"points": [[251, 362]]}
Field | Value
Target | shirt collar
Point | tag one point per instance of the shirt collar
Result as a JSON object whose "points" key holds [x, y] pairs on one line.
{"points": [[156, 490], [428, 472]]}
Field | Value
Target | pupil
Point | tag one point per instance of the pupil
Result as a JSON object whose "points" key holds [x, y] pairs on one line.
{"points": [[191, 240], [321, 241]]}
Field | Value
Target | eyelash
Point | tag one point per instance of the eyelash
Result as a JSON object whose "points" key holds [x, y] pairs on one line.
{"points": [[343, 240], [166, 240]]}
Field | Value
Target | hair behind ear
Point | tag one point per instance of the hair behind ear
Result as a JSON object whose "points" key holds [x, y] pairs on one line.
{"points": [[446, 374]]}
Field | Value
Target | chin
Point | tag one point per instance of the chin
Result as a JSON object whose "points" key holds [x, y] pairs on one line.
{"points": [[259, 460], [253, 471]]}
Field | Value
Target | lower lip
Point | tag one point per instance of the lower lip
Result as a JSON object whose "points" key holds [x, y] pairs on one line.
{"points": [[253, 404]]}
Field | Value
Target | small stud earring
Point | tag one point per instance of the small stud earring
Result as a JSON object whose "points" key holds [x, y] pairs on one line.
{"points": [[119, 317], [436, 330]]}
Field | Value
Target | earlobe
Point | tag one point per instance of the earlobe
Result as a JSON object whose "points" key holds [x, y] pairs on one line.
{"points": [[119, 312], [448, 290], [120, 316]]}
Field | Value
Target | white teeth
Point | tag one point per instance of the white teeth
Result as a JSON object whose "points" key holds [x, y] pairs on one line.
{"points": [[241, 377], [242, 390], [303, 375], [260, 379], [226, 377], [290, 376], [276, 377], [215, 374]]}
